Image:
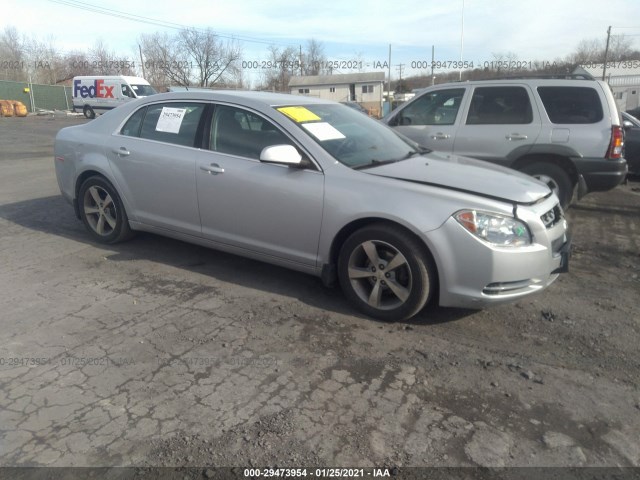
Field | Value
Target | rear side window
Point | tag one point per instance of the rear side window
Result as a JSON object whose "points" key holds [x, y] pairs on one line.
{"points": [[175, 123], [435, 108], [571, 104], [132, 127], [500, 106]]}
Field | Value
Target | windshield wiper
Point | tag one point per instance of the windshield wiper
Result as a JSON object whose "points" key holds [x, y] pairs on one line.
{"points": [[373, 163], [412, 154], [376, 163]]}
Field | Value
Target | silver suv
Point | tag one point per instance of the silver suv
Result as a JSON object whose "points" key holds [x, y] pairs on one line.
{"points": [[565, 132]]}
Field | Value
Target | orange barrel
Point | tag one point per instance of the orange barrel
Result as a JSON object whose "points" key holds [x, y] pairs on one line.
{"points": [[19, 109]]}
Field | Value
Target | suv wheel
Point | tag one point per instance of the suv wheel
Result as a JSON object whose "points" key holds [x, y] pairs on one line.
{"points": [[555, 177], [386, 273]]}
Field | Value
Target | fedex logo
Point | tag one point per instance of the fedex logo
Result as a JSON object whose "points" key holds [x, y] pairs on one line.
{"points": [[97, 90]]}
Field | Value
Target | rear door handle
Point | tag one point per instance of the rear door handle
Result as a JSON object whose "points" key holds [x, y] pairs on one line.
{"points": [[440, 136], [122, 152], [213, 169], [516, 136]]}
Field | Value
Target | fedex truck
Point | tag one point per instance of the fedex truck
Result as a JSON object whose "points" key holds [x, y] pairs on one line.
{"points": [[97, 94]]}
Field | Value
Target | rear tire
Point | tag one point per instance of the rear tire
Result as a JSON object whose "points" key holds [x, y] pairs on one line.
{"points": [[102, 211], [555, 177], [88, 112], [386, 273]]}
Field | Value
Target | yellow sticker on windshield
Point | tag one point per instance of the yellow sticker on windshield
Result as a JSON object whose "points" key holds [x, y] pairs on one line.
{"points": [[299, 114]]}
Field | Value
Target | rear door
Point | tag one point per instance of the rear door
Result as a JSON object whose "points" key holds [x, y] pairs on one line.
{"points": [[154, 160], [432, 119], [500, 124]]}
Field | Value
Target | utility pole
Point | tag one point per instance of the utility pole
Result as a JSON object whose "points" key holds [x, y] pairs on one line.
{"points": [[144, 75], [301, 61], [399, 67], [461, 38], [389, 86], [433, 58], [606, 52]]}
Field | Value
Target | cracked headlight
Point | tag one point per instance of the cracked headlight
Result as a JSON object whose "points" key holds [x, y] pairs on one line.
{"points": [[494, 228]]}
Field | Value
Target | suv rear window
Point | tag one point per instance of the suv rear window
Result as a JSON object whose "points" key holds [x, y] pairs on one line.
{"points": [[571, 104]]}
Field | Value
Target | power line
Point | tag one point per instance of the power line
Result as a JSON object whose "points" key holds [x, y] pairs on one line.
{"points": [[153, 21]]}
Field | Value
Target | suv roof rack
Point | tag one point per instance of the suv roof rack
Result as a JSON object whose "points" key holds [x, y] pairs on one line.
{"points": [[555, 76]]}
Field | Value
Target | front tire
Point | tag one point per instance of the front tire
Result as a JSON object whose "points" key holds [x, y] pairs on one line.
{"points": [[555, 177], [386, 273], [102, 211]]}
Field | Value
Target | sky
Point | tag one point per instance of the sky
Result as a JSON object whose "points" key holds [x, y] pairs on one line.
{"points": [[355, 30]]}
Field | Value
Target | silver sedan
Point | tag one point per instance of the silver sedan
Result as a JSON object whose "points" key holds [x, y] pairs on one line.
{"points": [[317, 187]]}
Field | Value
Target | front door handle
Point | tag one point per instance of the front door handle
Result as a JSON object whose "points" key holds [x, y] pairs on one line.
{"points": [[516, 136], [440, 136], [213, 169], [122, 152]]}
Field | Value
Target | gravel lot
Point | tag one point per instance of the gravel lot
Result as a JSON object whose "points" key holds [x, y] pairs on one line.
{"points": [[155, 352]]}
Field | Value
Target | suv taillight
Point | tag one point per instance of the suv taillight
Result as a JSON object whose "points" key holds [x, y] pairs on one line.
{"points": [[615, 147]]}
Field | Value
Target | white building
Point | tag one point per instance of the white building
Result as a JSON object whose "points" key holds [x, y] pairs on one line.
{"points": [[363, 88], [624, 79]]}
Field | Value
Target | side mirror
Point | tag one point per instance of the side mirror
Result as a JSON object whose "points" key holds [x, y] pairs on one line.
{"points": [[627, 124], [405, 121], [285, 154]]}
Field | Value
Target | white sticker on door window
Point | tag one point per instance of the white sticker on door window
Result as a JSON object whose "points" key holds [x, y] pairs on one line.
{"points": [[170, 119]]}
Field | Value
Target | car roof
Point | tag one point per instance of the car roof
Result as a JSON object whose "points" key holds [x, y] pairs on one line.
{"points": [[246, 97], [533, 81]]}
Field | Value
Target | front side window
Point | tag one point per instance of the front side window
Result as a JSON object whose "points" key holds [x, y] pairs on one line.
{"points": [[126, 91], [143, 90], [571, 104], [434, 108], [175, 123], [500, 106], [235, 131]]}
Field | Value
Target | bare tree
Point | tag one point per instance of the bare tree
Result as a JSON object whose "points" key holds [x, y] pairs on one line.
{"points": [[212, 58], [592, 50], [284, 63], [45, 63], [164, 60], [314, 61], [191, 57], [12, 50], [106, 62]]}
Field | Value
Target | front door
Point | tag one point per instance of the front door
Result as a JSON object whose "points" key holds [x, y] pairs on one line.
{"points": [[266, 208]]}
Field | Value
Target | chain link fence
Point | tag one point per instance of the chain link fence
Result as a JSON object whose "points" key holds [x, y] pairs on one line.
{"points": [[37, 97]]}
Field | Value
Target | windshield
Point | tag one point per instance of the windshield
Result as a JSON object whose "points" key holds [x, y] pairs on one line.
{"points": [[143, 90], [349, 136]]}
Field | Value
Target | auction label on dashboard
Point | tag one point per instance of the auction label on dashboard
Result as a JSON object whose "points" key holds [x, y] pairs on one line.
{"points": [[299, 114]]}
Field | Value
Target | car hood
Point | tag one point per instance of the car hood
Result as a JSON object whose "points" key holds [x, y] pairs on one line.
{"points": [[466, 175]]}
